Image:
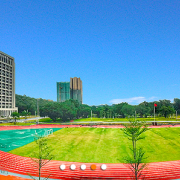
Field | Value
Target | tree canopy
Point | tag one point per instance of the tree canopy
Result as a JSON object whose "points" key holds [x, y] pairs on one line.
{"points": [[72, 109]]}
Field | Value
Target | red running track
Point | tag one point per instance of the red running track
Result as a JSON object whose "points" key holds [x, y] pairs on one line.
{"points": [[70, 126], [17, 167]]}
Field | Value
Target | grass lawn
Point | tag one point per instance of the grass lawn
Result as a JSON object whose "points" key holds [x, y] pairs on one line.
{"points": [[83, 120], [125, 119], [49, 120], [106, 145], [17, 124]]}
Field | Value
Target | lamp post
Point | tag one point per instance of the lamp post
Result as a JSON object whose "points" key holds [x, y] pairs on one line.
{"points": [[91, 115], [155, 105], [37, 111]]}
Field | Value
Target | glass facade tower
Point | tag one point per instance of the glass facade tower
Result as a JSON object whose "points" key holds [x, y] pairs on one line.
{"points": [[63, 91]]}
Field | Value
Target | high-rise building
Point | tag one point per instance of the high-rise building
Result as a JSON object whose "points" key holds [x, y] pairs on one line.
{"points": [[63, 91], [7, 85], [70, 90], [76, 89]]}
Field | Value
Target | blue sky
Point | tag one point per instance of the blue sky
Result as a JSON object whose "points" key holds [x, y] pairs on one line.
{"points": [[123, 50]]}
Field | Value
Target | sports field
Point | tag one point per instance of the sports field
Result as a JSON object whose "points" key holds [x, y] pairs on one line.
{"points": [[126, 119], [107, 145], [12, 139]]}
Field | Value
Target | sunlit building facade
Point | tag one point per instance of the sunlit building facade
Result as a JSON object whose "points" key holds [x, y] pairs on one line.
{"points": [[7, 85]]}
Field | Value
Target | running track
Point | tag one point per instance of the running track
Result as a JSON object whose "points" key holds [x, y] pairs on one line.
{"points": [[13, 167]]}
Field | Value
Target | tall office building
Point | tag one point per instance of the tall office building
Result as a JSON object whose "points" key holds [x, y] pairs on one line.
{"points": [[63, 91], [7, 85], [70, 90]]}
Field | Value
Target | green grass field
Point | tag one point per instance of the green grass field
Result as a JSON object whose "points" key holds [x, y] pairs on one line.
{"points": [[107, 120], [17, 124], [106, 145], [125, 119]]}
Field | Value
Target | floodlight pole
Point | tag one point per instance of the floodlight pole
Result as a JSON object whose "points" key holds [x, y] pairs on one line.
{"points": [[37, 108], [91, 115], [37, 111], [135, 115], [176, 115]]}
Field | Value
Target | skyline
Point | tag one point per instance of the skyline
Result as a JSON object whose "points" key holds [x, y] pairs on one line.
{"points": [[70, 90], [121, 50]]}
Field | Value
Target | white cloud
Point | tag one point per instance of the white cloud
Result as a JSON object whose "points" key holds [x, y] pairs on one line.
{"points": [[134, 100], [152, 98], [172, 100]]}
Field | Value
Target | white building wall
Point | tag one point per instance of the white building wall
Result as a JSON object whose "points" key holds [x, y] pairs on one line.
{"points": [[7, 85]]}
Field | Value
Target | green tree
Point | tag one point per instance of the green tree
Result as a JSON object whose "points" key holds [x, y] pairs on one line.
{"points": [[143, 109], [119, 110], [25, 114], [101, 113], [42, 156], [15, 116], [97, 110], [69, 110], [177, 105], [134, 131], [165, 102], [127, 109], [52, 110], [166, 111], [27, 103], [162, 103], [84, 110]]}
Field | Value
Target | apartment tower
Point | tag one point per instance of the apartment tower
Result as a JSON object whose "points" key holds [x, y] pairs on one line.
{"points": [[7, 85], [76, 89], [70, 90]]}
